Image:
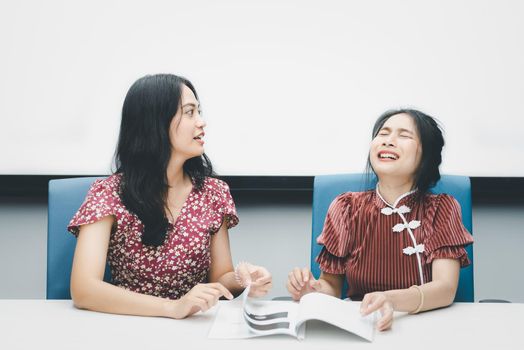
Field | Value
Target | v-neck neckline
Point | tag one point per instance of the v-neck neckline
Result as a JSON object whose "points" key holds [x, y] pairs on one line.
{"points": [[184, 205]]}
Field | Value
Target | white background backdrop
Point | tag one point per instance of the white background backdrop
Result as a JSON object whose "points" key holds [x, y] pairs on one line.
{"points": [[287, 87]]}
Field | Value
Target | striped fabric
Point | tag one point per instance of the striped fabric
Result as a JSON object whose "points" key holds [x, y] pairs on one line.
{"points": [[359, 240]]}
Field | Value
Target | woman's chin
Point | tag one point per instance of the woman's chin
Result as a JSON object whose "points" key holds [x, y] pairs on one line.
{"points": [[389, 172]]}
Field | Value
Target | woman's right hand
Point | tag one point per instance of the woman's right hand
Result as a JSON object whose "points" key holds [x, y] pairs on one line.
{"points": [[201, 297], [301, 282]]}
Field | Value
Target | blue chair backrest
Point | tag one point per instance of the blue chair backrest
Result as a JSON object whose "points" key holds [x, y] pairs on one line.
{"points": [[327, 187], [65, 197]]}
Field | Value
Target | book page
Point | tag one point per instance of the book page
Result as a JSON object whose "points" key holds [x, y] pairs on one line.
{"points": [[340, 313], [229, 321], [245, 317], [265, 317]]}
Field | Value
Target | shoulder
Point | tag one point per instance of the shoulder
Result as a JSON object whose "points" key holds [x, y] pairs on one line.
{"points": [[102, 200], [216, 190], [215, 185], [105, 191], [352, 199], [111, 182], [217, 193], [442, 209], [442, 201], [342, 202], [108, 186]]}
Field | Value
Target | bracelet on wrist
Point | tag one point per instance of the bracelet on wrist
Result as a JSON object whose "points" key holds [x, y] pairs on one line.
{"points": [[421, 303]]}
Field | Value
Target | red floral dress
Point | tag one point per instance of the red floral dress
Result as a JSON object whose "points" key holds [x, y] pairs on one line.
{"points": [[169, 270]]}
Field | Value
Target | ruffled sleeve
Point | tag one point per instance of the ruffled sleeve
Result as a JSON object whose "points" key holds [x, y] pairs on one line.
{"points": [[223, 205], [102, 200], [335, 236], [449, 236]]}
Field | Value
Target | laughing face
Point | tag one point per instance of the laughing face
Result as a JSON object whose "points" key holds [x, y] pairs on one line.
{"points": [[187, 127], [396, 149]]}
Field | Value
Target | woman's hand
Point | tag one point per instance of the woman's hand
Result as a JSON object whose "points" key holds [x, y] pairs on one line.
{"points": [[378, 301], [301, 282], [201, 297], [257, 277]]}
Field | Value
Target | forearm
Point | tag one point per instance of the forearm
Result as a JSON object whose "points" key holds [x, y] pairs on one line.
{"points": [[327, 288], [229, 281], [436, 294], [101, 296], [331, 284]]}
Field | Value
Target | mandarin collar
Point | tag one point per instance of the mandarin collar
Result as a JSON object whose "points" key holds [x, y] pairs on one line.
{"points": [[404, 199]]}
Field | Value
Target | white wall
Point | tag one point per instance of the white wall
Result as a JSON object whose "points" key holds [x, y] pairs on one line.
{"points": [[288, 88], [274, 232], [281, 82]]}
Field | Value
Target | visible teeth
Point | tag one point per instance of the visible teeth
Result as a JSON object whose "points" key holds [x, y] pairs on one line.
{"points": [[388, 155]]}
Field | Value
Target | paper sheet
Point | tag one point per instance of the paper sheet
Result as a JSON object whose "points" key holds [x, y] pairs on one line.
{"points": [[246, 317]]}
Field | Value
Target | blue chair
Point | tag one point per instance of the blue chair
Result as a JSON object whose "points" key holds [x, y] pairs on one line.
{"points": [[327, 187], [65, 197]]}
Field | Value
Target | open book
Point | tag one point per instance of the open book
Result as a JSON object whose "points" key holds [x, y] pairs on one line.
{"points": [[246, 317]]}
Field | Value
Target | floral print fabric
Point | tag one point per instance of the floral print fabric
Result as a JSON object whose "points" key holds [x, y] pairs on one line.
{"points": [[182, 261]]}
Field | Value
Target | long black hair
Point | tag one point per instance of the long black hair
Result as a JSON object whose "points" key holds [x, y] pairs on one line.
{"points": [[144, 149], [432, 141]]}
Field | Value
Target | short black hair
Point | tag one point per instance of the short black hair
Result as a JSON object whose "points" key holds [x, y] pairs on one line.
{"points": [[431, 140]]}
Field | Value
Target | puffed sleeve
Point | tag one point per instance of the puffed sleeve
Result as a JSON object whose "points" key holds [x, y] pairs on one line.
{"points": [[101, 201], [335, 236], [224, 206], [449, 236]]}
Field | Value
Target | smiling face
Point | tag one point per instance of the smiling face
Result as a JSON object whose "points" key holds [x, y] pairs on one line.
{"points": [[186, 131], [396, 149]]}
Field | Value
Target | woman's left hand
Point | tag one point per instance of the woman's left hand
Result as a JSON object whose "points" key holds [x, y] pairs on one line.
{"points": [[257, 277], [378, 301]]}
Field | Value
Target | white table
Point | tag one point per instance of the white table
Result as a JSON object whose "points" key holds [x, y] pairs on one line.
{"points": [[46, 324]]}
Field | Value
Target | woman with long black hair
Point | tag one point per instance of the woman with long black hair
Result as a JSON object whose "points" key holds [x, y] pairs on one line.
{"points": [[162, 219]]}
